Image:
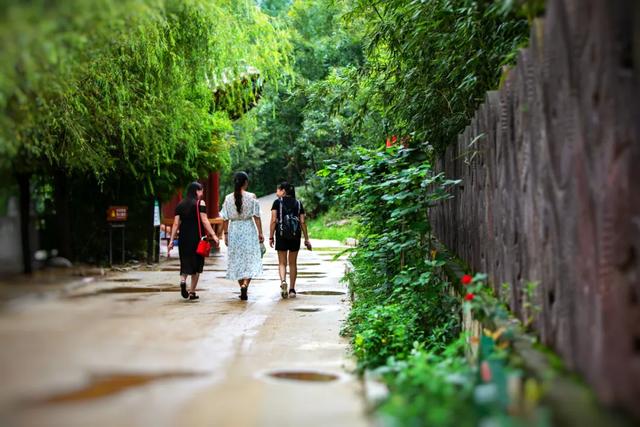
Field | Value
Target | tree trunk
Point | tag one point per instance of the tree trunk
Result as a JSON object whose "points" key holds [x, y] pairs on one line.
{"points": [[63, 220], [25, 220]]}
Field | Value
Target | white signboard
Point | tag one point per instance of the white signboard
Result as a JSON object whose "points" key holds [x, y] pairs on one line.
{"points": [[156, 214]]}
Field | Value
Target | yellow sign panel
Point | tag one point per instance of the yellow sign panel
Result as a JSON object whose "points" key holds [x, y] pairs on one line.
{"points": [[117, 213]]}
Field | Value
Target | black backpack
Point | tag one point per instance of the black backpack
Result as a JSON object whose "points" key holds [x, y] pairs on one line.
{"points": [[289, 226]]}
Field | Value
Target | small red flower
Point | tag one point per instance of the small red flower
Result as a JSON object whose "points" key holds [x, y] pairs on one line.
{"points": [[394, 138], [388, 143], [466, 279], [485, 371], [469, 297]]}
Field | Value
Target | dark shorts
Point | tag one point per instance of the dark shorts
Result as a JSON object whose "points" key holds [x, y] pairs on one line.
{"points": [[191, 263], [287, 245]]}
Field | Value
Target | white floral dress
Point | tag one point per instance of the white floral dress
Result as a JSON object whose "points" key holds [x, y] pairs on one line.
{"points": [[244, 260]]}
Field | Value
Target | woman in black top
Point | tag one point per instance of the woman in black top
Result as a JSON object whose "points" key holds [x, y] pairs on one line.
{"points": [[286, 204], [186, 220]]}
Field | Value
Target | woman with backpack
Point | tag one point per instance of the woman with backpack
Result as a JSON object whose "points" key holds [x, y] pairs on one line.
{"points": [[242, 234], [287, 225]]}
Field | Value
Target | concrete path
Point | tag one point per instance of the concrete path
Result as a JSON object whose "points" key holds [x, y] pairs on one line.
{"points": [[126, 350]]}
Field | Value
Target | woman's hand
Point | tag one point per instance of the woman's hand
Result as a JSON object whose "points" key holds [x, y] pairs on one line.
{"points": [[260, 238], [226, 239], [271, 241], [170, 246], [307, 244]]}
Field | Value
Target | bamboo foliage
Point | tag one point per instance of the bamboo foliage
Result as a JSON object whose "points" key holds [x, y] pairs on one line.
{"points": [[430, 62], [112, 87]]}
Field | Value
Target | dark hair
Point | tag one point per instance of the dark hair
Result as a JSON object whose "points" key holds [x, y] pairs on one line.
{"points": [[288, 189], [192, 188], [239, 179]]}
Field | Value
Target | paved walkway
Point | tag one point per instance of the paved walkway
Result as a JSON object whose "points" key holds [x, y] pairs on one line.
{"points": [[126, 350]]}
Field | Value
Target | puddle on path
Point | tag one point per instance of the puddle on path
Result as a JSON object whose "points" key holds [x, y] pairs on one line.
{"points": [[306, 376], [124, 280], [131, 290], [307, 309], [322, 293], [105, 385]]}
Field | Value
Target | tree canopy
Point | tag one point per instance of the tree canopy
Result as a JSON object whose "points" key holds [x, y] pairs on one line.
{"points": [[161, 92], [367, 71], [112, 87]]}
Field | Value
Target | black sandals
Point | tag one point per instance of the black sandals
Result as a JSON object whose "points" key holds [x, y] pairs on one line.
{"points": [[183, 290], [243, 293], [192, 296]]}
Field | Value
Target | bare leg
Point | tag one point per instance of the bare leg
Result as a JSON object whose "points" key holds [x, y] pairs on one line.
{"points": [[183, 278], [244, 288], [282, 265], [194, 281], [293, 268]]}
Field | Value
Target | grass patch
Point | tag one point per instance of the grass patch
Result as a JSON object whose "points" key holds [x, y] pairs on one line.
{"points": [[332, 226]]}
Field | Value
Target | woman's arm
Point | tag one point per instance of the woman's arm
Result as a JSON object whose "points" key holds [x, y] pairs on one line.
{"points": [[303, 224], [207, 226], [272, 226], [256, 219], [225, 231], [174, 230], [204, 220]]}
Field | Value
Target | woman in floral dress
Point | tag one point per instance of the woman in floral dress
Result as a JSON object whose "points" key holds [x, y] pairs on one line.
{"points": [[242, 234]]}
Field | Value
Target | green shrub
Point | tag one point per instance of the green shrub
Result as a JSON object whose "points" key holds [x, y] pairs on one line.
{"points": [[400, 296], [384, 331], [387, 319], [430, 388]]}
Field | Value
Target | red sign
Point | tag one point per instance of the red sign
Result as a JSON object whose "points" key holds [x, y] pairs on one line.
{"points": [[117, 213]]}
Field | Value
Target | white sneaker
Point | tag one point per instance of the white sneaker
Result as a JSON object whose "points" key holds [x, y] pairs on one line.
{"points": [[283, 290]]}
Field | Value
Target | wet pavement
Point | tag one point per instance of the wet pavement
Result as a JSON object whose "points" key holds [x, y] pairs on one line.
{"points": [[124, 349]]}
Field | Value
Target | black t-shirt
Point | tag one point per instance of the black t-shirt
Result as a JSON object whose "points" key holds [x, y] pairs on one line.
{"points": [[289, 205], [189, 221]]}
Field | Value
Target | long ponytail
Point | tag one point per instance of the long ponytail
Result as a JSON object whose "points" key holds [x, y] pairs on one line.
{"points": [[239, 179]]}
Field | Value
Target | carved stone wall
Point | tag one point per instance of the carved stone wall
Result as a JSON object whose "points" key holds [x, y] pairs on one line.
{"points": [[550, 192]]}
